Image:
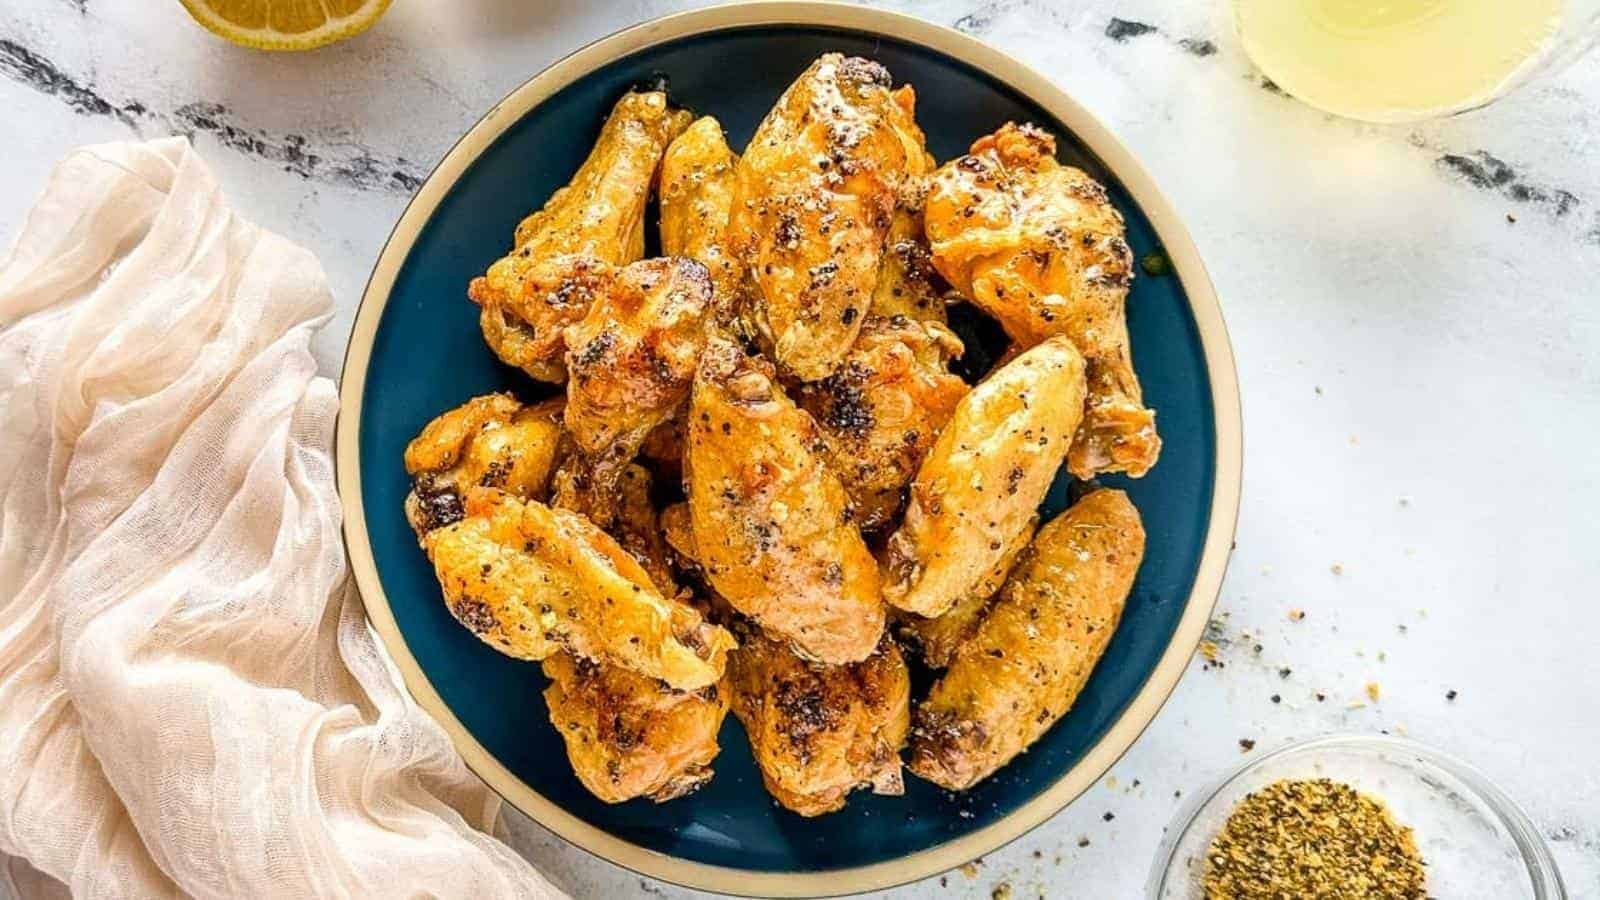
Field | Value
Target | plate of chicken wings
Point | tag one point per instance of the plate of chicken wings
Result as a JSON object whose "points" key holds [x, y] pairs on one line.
{"points": [[791, 448]]}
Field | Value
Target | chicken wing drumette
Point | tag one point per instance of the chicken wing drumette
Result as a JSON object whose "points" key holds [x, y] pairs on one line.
{"points": [[697, 178], [530, 580], [632, 358], [1039, 246], [813, 197], [819, 732], [984, 478], [592, 224], [1027, 662], [630, 736], [881, 410], [770, 520]]}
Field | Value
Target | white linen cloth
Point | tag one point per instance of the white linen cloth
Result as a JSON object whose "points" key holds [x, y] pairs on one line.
{"points": [[191, 702]]}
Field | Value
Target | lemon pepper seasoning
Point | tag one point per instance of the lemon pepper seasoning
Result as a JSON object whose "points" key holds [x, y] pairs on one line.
{"points": [[1316, 839]]}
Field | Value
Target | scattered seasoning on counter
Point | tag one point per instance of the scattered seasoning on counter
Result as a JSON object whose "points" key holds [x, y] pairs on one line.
{"points": [[1373, 691], [1337, 568], [1002, 891], [1108, 816], [1277, 698], [1450, 695], [1313, 838], [1083, 841], [1297, 615], [1246, 745]]}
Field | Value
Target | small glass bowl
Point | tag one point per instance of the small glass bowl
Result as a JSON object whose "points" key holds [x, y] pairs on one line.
{"points": [[1475, 839]]}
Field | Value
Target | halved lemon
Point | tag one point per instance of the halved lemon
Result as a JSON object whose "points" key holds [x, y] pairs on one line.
{"points": [[286, 24]]}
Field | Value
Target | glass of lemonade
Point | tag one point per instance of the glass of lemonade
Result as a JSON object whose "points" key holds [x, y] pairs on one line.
{"points": [[1405, 60]]}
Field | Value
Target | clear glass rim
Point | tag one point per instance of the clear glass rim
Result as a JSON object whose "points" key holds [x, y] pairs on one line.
{"points": [[1543, 874]]}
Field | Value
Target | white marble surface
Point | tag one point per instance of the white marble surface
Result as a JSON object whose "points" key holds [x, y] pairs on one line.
{"points": [[1421, 373]]}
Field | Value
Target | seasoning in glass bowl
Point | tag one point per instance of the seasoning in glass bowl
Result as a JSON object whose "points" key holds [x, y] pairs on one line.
{"points": [[1313, 838]]}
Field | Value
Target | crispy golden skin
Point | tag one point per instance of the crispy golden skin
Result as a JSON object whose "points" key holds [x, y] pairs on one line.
{"points": [[630, 736], [492, 441], [938, 638], [622, 509], [1039, 246], [770, 520], [813, 198], [697, 177], [1034, 651], [596, 221], [632, 358], [881, 410], [525, 323], [984, 477], [530, 580], [908, 285], [819, 732]]}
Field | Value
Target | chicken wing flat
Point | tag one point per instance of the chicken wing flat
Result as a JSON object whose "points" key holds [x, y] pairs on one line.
{"points": [[492, 441], [770, 519], [530, 580], [632, 357], [819, 732], [595, 221], [630, 736], [984, 478], [1032, 655], [882, 408], [813, 197], [1039, 246], [697, 177], [938, 638]]}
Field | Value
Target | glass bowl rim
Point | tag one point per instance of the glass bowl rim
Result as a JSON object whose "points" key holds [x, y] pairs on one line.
{"points": [[1543, 874]]}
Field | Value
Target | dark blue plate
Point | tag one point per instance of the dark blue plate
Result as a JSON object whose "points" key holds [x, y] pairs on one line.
{"points": [[416, 351]]}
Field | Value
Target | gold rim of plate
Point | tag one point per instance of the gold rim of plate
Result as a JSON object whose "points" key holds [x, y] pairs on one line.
{"points": [[1186, 262]]}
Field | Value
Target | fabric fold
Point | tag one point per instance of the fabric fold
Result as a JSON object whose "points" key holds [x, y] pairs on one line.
{"points": [[191, 701]]}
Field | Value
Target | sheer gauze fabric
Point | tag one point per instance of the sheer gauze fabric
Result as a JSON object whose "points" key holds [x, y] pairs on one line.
{"points": [[191, 702]]}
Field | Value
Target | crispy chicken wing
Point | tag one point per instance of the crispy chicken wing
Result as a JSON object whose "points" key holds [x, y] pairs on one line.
{"points": [[531, 580], [596, 221], [819, 732], [697, 177], [907, 283], [1039, 246], [881, 410], [813, 197], [630, 736], [632, 358], [984, 478], [770, 520], [938, 638], [1032, 655], [622, 510], [491, 441]]}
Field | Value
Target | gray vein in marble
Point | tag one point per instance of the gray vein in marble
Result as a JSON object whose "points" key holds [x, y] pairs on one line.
{"points": [[323, 158], [23, 65], [1120, 30], [983, 18], [1485, 171]]}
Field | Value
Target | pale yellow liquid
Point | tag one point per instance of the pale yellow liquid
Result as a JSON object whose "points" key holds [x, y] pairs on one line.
{"points": [[1396, 60]]}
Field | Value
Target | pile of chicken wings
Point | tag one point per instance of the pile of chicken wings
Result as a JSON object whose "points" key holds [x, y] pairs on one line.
{"points": [[763, 486]]}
